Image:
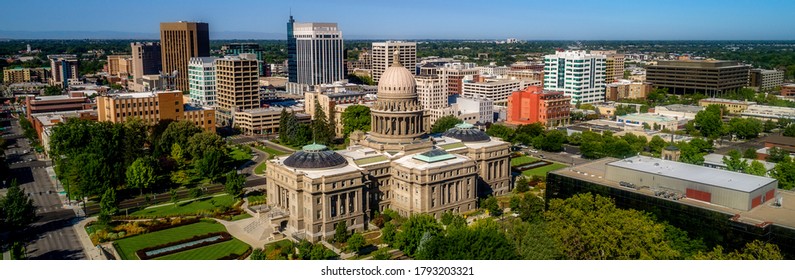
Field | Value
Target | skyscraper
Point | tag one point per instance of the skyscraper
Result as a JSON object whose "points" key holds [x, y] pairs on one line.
{"points": [[201, 78], [63, 67], [614, 63], [146, 59], [236, 86], [292, 72], [314, 53], [577, 74], [179, 42], [383, 52]]}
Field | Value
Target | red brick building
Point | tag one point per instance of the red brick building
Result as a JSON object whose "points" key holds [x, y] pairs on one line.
{"points": [[534, 104], [788, 90]]}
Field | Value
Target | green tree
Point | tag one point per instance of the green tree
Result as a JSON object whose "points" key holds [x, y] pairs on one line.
{"points": [[341, 232], [483, 241], [749, 153], [52, 90], [177, 133], [590, 227], [408, 239], [552, 141], [107, 206], [735, 162], [770, 125], [789, 130], [756, 168], [234, 183], [388, 234], [444, 123], [745, 128], [174, 196], [532, 240], [141, 174], [211, 164], [657, 144], [709, 121], [196, 192], [755, 250], [18, 251], [492, 205], [777, 154], [522, 185], [204, 142], [356, 242], [355, 117], [17, 209], [500, 131], [531, 208], [784, 172], [258, 255], [382, 254], [321, 130]]}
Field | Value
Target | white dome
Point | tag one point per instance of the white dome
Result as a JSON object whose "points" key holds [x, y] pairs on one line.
{"points": [[396, 79]]}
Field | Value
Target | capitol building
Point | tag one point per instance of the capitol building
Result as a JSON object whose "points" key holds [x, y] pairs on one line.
{"points": [[397, 165]]}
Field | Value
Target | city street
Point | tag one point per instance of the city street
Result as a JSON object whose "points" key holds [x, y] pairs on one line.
{"points": [[52, 235]]}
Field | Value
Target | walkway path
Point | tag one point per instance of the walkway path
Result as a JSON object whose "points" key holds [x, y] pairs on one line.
{"points": [[92, 252]]}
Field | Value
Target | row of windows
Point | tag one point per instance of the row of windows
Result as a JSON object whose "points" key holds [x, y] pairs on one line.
{"points": [[138, 104]]}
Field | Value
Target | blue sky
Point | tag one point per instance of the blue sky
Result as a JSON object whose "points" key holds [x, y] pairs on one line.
{"points": [[428, 19]]}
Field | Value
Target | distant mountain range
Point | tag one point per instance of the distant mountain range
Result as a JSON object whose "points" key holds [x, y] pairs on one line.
{"points": [[220, 35]]}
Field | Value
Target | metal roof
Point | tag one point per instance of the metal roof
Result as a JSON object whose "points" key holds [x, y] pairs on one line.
{"points": [[694, 173]]}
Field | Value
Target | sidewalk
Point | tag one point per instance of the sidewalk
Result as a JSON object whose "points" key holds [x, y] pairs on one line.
{"points": [[92, 252]]}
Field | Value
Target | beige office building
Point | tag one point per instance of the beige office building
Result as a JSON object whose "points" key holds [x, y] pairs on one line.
{"points": [[383, 52], [265, 121], [25, 75], [179, 42], [236, 86], [396, 166], [614, 65], [431, 91], [152, 107], [119, 65]]}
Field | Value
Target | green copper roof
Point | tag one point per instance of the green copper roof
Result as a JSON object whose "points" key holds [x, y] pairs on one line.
{"points": [[434, 156], [464, 125], [314, 147]]}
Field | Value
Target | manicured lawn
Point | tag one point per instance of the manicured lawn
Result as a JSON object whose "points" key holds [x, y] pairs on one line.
{"points": [[542, 171], [271, 151], [188, 208], [241, 217], [260, 169], [522, 160], [128, 246], [256, 199], [238, 154], [211, 252]]}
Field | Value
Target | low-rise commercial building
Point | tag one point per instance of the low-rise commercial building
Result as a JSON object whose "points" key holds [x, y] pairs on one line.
{"points": [[678, 111], [496, 90], [722, 207], [734, 107], [788, 90], [73, 101], [766, 113], [652, 121], [265, 121]]}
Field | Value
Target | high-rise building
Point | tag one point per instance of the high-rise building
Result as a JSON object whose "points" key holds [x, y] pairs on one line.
{"points": [[152, 107], [179, 42], [431, 91], [317, 57], [241, 48], [533, 104], [709, 77], [577, 74], [63, 67], [146, 59], [382, 54], [201, 79], [236, 86], [614, 65], [454, 75]]}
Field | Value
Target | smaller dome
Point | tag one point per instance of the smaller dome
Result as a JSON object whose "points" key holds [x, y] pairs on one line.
{"points": [[315, 156], [467, 133]]}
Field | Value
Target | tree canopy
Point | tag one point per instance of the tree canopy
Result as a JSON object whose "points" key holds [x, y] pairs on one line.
{"points": [[444, 123], [355, 117]]}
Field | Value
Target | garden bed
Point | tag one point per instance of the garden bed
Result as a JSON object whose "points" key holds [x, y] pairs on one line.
{"points": [[174, 247]]}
